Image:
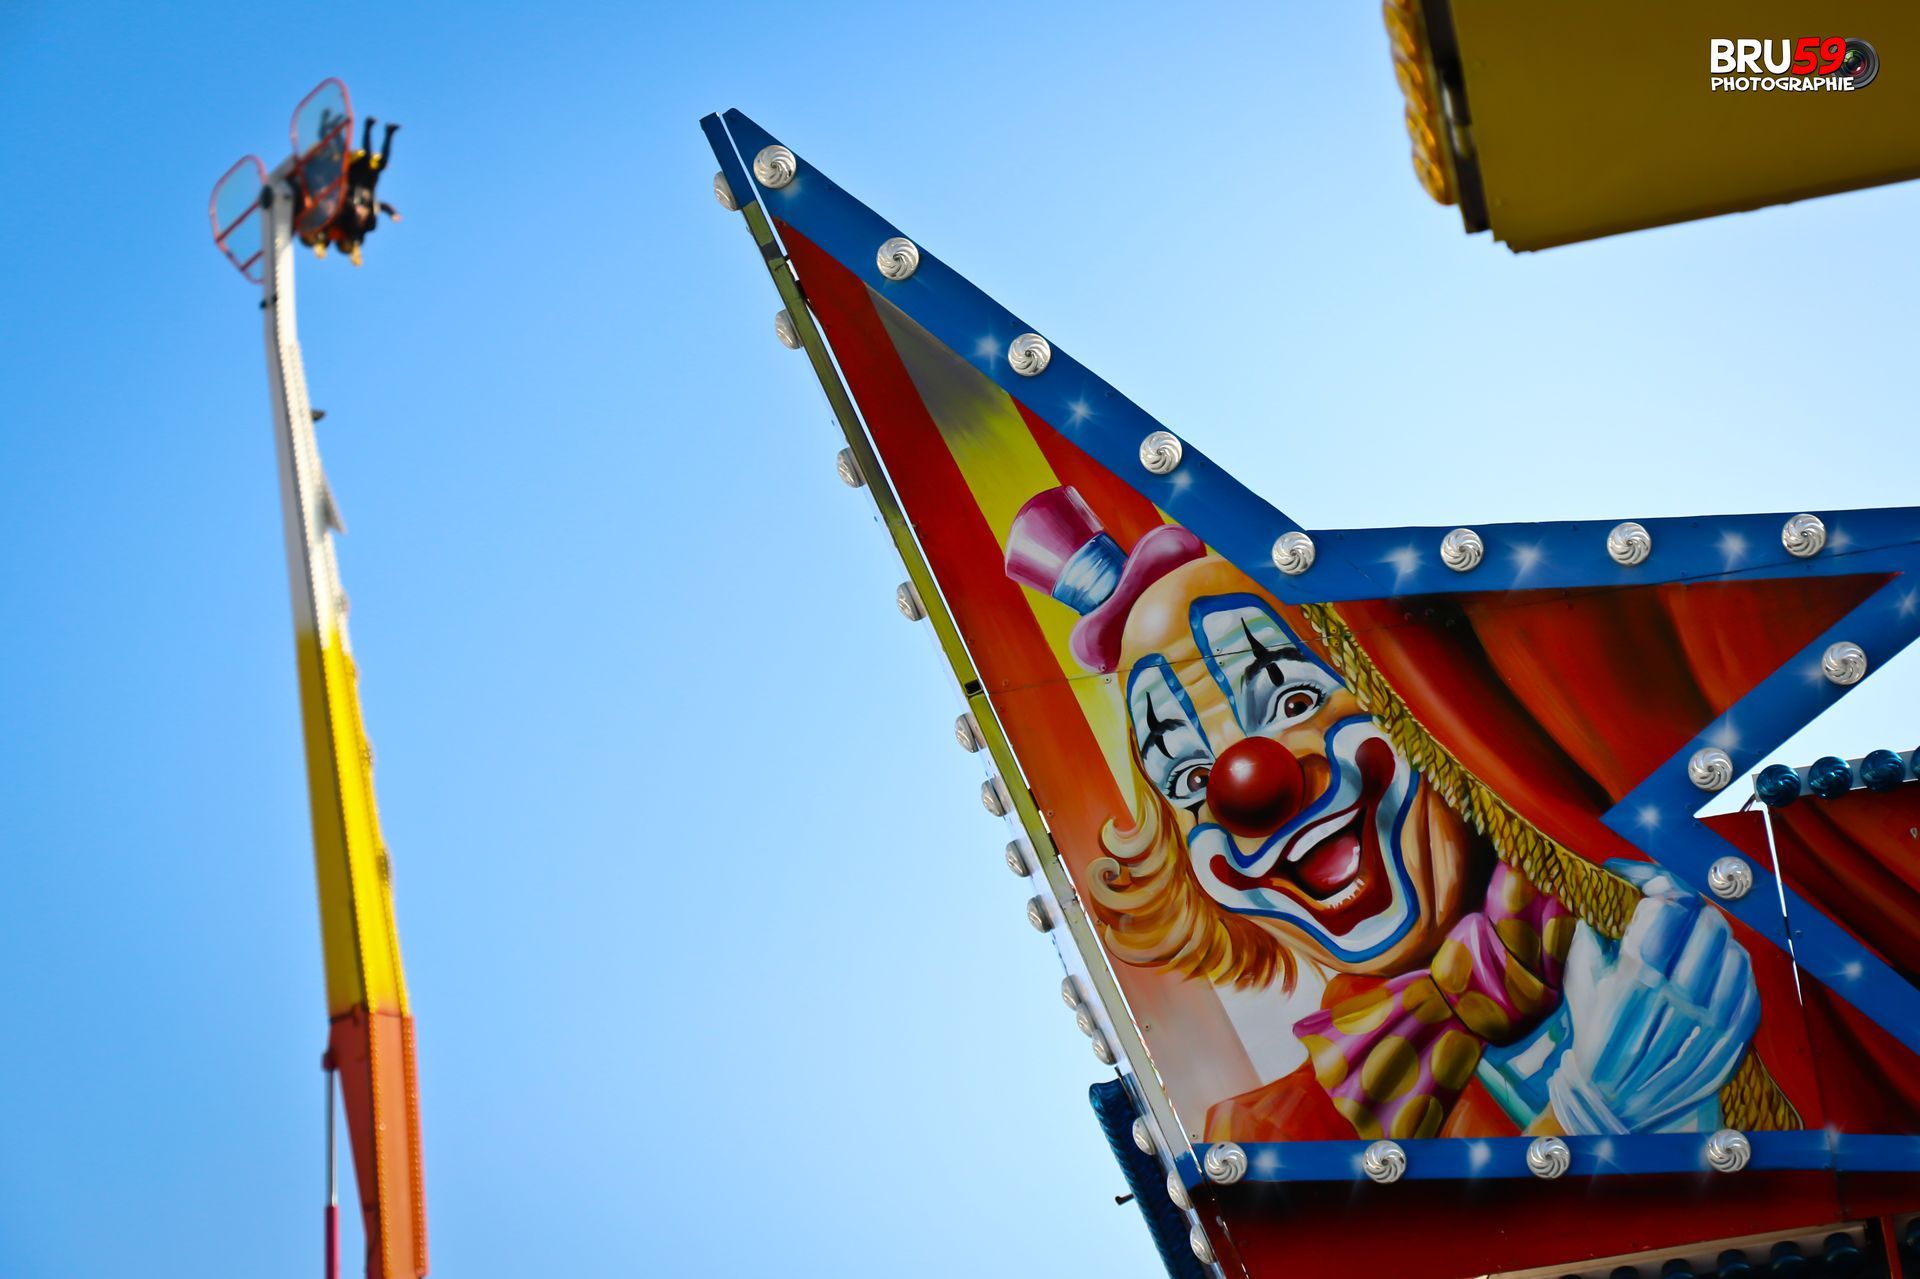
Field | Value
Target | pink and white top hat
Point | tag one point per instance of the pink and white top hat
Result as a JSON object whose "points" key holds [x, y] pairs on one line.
{"points": [[1058, 545]]}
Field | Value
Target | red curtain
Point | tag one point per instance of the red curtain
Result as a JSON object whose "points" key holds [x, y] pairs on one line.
{"points": [[1561, 703]]}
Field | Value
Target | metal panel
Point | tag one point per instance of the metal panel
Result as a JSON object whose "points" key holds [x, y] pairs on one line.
{"points": [[1590, 119]]}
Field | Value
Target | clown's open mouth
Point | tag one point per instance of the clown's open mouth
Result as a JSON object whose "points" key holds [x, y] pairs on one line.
{"points": [[1333, 865]]}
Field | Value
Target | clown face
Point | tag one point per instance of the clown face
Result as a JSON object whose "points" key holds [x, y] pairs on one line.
{"points": [[1295, 810]]}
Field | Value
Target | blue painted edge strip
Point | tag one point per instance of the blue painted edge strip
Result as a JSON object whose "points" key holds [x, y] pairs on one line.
{"points": [[1657, 815], [1467, 1159], [744, 192], [1167, 1223]]}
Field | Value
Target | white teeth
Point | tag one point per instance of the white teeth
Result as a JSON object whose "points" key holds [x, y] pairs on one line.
{"points": [[1309, 839], [1345, 895]]}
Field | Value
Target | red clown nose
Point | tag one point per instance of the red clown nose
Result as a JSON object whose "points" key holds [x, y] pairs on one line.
{"points": [[1255, 787]]}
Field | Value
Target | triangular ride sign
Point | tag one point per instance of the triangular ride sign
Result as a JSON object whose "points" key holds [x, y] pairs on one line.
{"points": [[1372, 854]]}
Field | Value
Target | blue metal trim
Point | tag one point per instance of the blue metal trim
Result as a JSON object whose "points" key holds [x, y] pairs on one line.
{"points": [[1166, 1221], [744, 191], [1864, 1152], [1242, 526], [1657, 815], [1491, 1158]]}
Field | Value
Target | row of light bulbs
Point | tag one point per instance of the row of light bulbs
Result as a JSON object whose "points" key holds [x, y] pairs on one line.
{"points": [[1231, 1164], [997, 800], [897, 259], [1629, 543], [1830, 777], [1225, 1162], [1385, 1162]]}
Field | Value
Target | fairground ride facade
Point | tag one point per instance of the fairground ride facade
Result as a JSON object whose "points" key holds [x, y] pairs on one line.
{"points": [[1372, 855]]}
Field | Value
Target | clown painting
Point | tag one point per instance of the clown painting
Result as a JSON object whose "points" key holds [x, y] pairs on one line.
{"points": [[1346, 836], [1475, 977]]}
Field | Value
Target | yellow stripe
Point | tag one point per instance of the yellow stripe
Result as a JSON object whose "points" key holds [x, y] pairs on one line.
{"points": [[360, 944], [1004, 467]]}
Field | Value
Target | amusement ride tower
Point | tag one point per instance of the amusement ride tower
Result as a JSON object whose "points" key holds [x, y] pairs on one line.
{"points": [[260, 222]]}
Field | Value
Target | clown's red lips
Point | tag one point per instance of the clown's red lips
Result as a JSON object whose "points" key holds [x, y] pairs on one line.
{"points": [[1334, 866]]}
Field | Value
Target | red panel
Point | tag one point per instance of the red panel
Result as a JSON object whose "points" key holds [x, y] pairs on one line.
{"points": [[1451, 1230], [1567, 661], [374, 1058], [1737, 633], [1856, 859]]}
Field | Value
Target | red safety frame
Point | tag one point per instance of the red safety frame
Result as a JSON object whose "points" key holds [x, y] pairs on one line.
{"points": [[250, 266], [322, 203]]}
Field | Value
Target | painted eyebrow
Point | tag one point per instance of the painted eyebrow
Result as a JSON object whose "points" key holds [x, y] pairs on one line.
{"points": [[1259, 658], [1157, 730], [1268, 659]]}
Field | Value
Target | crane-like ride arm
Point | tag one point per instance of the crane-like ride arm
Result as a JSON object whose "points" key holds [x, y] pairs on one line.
{"points": [[259, 223], [370, 1044]]}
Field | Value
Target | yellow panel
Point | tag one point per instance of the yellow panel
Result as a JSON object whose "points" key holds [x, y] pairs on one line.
{"points": [[358, 936], [1590, 119]]}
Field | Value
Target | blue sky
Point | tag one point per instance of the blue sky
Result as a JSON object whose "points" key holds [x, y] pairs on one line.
{"points": [[715, 964]]}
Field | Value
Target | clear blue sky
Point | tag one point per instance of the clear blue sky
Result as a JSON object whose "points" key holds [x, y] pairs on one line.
{"points": [[716, 967]]}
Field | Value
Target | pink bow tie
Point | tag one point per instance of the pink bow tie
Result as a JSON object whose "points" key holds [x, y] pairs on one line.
{"points": [[1393, 1059]]}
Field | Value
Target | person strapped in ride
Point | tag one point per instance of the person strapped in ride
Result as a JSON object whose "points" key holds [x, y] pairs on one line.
{"points": [[361, 209], [1406, 811]]}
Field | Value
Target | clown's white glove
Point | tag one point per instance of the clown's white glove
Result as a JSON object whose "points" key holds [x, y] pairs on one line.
{"points": [[1660, 1018]]}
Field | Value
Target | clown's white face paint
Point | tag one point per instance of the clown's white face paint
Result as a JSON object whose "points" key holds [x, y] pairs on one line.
{"points": [[1346, 845], [1336, 870]]}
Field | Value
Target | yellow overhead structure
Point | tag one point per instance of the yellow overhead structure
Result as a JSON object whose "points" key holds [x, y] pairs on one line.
{"points": [[1552, 123]]}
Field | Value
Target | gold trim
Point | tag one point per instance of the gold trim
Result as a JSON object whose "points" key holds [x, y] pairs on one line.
{"points": [[1426, 121]]}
